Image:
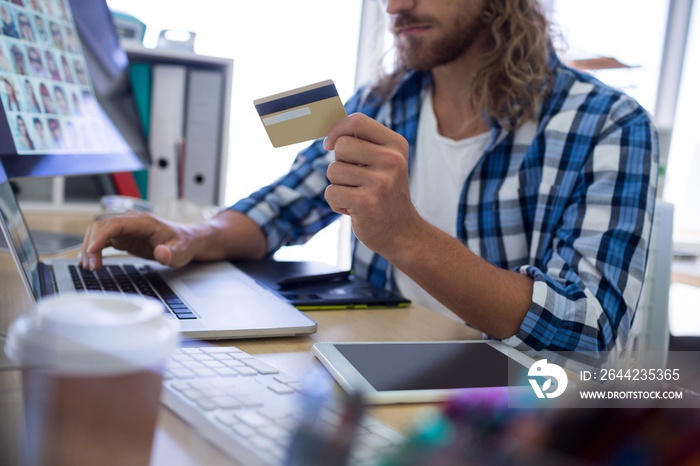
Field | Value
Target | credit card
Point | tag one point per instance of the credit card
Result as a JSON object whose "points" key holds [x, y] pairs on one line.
{"points": [[301, 114]]}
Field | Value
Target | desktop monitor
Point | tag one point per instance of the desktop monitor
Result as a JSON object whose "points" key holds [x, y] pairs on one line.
{"points": [[67, 106]]}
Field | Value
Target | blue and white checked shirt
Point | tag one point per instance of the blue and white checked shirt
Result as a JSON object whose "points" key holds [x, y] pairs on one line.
{"points": [[567, 200]]}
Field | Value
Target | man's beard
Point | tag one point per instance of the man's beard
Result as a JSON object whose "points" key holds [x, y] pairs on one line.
{"points": [[420, 54]]}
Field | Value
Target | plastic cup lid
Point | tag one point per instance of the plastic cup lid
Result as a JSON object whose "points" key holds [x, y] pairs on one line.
{"points": [[93, 333]]}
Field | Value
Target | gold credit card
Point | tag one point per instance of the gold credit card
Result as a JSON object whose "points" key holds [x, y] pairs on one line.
{"points": [[301, 114]]}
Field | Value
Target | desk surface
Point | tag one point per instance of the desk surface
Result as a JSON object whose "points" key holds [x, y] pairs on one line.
{"points": [[176, 442]]}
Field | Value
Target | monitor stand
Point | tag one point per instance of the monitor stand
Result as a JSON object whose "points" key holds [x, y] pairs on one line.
{"points": [[51, 242]]}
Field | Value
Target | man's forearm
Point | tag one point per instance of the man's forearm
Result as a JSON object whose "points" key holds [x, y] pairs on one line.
{"points": [[491, 299], [229, 235]]}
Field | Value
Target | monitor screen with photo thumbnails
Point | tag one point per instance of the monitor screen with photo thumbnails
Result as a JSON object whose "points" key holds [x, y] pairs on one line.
{"points": [[67, 104]]}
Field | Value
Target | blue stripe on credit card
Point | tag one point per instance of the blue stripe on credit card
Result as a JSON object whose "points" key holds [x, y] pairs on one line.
{"points": [[296, 100]]}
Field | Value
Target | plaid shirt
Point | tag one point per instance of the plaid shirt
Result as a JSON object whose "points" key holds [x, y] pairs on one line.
{"points": [[567, 200]]}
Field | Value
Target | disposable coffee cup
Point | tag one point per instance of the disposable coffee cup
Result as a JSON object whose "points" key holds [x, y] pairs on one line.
{"points": [[92, 369]]}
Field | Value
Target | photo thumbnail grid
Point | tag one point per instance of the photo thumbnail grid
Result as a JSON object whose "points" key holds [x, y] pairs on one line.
{"points": [[44, 82]]}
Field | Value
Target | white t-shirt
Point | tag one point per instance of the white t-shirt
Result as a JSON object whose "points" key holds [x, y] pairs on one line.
{"points": [[440, 168]]}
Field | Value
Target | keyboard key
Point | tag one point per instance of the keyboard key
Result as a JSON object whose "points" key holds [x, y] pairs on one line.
{"points": [[249, 401], [226, 418], [204, 372], [206, 404], [176, 304], [182, 373], [182, 357], [226, 372], [213, 364], [180, 385], [281, 388], [192, 394], [180, 310], [201, 357], [191, 364], [241, 429], [246, 371], [226, 402], [261, 367], [233, 363], [285, 379], [222, 356], [252, 419], [210, 391]]}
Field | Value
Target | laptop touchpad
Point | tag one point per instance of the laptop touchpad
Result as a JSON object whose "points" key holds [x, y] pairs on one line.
{"points": [[210, 288]]}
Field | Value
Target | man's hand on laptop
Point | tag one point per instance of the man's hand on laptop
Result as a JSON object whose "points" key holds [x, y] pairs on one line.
{"points": [[142, 235], [229, 235]]}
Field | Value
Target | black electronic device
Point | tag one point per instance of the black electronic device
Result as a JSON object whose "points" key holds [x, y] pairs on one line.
{"points": [[312, 285]]}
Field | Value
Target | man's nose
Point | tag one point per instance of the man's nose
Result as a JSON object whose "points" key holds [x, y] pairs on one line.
{"points": [[393, 7]]}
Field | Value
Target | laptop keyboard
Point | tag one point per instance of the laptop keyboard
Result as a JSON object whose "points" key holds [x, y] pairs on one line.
{"points": [[130, 279], [250, 410]]}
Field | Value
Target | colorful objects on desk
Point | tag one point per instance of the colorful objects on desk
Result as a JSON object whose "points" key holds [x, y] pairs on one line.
{"points": [[316, 442], [469, 429], [482, 430]]}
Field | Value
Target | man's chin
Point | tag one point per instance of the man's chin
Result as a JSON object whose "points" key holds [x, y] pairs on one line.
{"points": [[420, 59], [415, 62]]}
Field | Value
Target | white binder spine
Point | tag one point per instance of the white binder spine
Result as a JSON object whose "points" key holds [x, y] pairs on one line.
{"points": [[203, 136], [166, 138]]}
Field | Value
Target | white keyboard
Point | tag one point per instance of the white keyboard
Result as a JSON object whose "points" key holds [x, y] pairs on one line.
{"points": [[250, 410]]}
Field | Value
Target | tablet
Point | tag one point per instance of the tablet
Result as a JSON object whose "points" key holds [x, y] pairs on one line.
{"points": [[417, 372]]}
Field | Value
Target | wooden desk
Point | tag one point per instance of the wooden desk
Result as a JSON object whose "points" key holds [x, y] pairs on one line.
{"points": [[176, 442]]}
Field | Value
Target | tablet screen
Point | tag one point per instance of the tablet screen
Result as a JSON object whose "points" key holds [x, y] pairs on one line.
{"points": [[433, 366]]}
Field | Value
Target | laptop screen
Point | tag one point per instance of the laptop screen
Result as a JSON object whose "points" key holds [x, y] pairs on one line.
{"points": [[17, 237]]}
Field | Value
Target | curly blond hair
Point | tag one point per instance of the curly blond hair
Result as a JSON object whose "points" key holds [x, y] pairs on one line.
{"points": [[513, 76]]}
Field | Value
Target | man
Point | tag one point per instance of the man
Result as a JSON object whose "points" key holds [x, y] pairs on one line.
{"points": [[530, 197]]}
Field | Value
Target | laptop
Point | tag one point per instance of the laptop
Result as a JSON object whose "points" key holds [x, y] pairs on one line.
{"points": [[312, 285], [212, 300]]}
